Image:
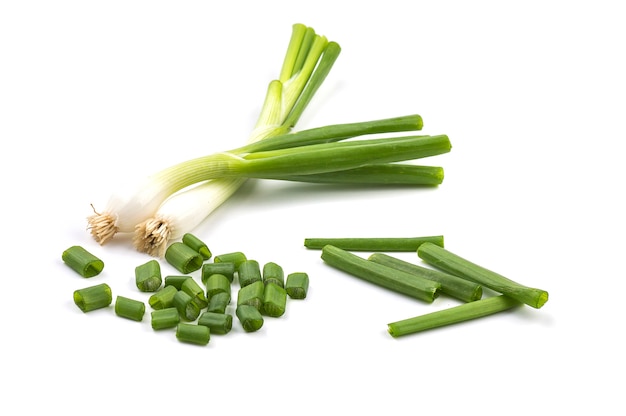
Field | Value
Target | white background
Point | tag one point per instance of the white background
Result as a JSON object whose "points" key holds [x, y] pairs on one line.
{"points": [[531, 95]]}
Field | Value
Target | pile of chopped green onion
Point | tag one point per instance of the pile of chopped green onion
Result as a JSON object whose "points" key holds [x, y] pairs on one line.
{"points": [[193, 310], [452, 275], [172, 202]]}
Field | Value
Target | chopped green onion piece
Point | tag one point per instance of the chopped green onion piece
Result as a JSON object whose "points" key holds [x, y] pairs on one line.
{"points": [[250, 318], [163, 298], [274, 300], [456, 314], [148, 276], [251, 295], [217, 283], [193, 289], [236, 257], [129, 308], [93, 297], [176, 281], [165, 318], [219, 302], [384, 276], [183, 258], [336, 132], [297, 285], [82, 261], [454, 264], [451, 285], [273, 273], [224, 268], [377, 174], [249, 272], [185, 305], [218, 323], [193, 334], [408, 244], [197, 245]]}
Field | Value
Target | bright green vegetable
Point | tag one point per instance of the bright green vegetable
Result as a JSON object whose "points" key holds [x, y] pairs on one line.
{"points": [[249, 272], [218, 323], [93, 297], [451, 285], [193, 334], [217, 283], [384, 276], [454, 264], [165, 318], [198, 245], [250, 318], [219, 302], [297, 285], [378, 174], [251, 295], [273, 273], [224, 268], [456, 314], [186, 307], [163, 298], [185, 259], [193, 289], [274, 300], [129, 308], [236, 257], [176, 281], [148, 276], [82, 261], [408, 244]]}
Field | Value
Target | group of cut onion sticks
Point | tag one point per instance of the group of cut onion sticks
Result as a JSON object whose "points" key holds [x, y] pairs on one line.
{"points": [[163, 207]]}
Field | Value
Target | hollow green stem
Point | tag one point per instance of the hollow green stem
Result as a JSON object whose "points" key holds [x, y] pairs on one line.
{"points": [[456, 265], [379, 174], [183, 258], [148, 276], [197, 245], [129, 308], [94, 297], [163, 298], [193, 334], [406, 244], [383, 276], [273, 273], [218, 323], [461, 313], [250, 317], [297, 285], [164, 318], [274, 300], [82, 261], [224, 268], [249, 272]]}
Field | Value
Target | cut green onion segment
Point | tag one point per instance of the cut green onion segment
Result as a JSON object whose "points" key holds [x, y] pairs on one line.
{"points": [[250, 318], [193, 334], [274, 300], [163, 298], [456, 314], [93, 297], [176, 281], [224, 268], [193, 289], [402, 244], [251, 295], [248, 272], [218, 323], [217, 283], [456, 265], [148, 276], [378, 174], [273, 273], [219, 302], [129, 308], [82, 261], [165, 318], [297, 285], [235, 257], [186, 307], [396, 280], [198, 245], [185, 259], [451, 285]]}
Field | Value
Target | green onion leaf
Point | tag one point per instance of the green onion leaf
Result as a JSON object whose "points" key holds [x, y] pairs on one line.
{"points": [[406, 244], [217, 283], [236, 257], [185, 305], [251, 295], [273, 273]]}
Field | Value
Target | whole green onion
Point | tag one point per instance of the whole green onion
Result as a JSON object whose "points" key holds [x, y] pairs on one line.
{"points": [[197, 245], [148, 276], [193, 334], [185, 259], [82, 261], [94, 297], [297, 285], [165, 318], [408, 244], [451, 285], [454, 264], [129, 308], [456, 314], [250, 318], [384, 276]]}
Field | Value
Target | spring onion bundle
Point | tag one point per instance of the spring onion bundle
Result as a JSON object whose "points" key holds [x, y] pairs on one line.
{"points": [[168, 204]]}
